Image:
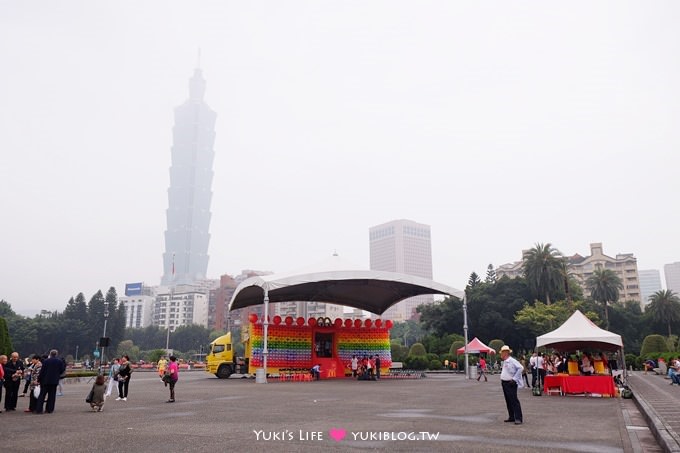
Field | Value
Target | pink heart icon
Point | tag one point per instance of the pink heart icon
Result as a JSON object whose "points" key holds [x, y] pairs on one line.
{"points": [[337, 434]]}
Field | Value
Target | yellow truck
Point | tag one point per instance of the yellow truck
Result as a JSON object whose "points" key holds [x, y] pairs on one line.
{"points": [[300, 344]]}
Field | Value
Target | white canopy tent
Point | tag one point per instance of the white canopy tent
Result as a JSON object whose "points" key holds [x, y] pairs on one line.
{"points": [[579, 332], [336, 282]]}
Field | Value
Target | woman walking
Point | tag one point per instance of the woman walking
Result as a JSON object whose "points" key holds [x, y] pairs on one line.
{"points": [[173, 376]]}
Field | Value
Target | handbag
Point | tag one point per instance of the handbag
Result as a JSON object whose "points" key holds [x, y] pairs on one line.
{"points": [[90, 396], [36, 391]]}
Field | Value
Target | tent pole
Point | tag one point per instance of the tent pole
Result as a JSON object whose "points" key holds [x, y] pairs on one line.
{"points": [[265, 323], [465, 331]]}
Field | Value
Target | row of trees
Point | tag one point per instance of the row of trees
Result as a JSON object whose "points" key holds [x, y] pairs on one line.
{"points": [[519, 309]]}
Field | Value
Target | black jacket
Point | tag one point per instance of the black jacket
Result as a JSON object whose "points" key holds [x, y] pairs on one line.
{"points": [[51, 371]]}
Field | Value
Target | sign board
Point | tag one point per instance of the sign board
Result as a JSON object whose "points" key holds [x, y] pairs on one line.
{"points": [[133, 289]]}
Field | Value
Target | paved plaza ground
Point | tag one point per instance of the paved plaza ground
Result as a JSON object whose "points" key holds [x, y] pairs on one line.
{"points": [[239, 415]]}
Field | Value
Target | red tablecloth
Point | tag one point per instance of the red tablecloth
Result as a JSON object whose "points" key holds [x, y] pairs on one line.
{"points": [[603, 385]]}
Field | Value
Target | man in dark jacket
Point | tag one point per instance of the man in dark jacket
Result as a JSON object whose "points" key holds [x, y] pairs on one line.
{"points": [[50, 373], [14, 372]]}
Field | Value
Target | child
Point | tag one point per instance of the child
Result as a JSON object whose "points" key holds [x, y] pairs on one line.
{"points": [[98, 389]]}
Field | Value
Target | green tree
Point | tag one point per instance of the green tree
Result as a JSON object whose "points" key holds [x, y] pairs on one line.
{"points": [[6, 310], [664, 307], [474, 280], [5, 341], [604, 286], [542, 318], [76, 309], [399, 352], [417, 349], [442, 318], [542, 266], [490, 275]]}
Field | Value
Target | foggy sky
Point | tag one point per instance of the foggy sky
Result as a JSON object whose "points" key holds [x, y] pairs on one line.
{"points": [[498, 124]]}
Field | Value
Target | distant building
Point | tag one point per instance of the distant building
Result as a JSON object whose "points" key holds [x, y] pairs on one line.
{"points": [[220, 318], [650, 282], [188, 216], [624, 266], [181, 305], [672, 274], [402, 246], [138, 306], [308, 310]]}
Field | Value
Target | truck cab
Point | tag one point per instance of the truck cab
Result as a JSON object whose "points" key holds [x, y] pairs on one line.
{"points": [[220, 360]]}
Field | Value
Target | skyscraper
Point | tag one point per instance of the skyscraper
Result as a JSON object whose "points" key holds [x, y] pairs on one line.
{"points": [[188, 216], [650, 282], [672, 273], [402, 246]]}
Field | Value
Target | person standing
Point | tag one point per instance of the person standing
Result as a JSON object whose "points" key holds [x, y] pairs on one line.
{"points": [[14, 372], [534, 369], [173, 369], [377, 367], [355, 365], [162, 364], [3, 361], [482, 369], [124, 374], [36, 365], [48, 379], [511, 380]]}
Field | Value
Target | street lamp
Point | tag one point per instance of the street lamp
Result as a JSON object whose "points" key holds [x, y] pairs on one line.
{"points": [[104, 341]]}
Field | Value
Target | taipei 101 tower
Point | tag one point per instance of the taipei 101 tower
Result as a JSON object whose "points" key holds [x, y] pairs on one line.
{"points": [[186, 239]]}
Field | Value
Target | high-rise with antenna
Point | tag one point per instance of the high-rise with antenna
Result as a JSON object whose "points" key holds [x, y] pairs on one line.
{"points": [[188, 216]]}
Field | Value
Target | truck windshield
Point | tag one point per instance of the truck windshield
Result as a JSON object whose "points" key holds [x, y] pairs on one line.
{"points": [[217, 348]]}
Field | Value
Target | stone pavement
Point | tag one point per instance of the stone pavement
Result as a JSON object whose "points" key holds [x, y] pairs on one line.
{"points": [[659, 402], [445, 413]]}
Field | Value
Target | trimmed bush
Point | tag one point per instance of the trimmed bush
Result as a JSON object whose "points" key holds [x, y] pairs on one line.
{"points": [[435, 365], [455, 346], [417, 349], [416, 362], [496, 345], [653, 344]]}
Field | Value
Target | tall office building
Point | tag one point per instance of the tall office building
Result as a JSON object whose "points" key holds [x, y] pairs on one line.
{"points": [[402, 246], [188, 216], [650, 282], [672, 274]]}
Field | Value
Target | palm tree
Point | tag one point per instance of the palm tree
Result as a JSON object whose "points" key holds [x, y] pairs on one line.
{"points": [[604, 286], [664, 307], [543, 270]]}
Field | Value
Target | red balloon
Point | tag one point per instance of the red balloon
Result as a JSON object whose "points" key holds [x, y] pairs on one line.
{"points": [[368, 323], [357, 323], [389, 324], [300, 321], [277, 320], [252, 317], [311, 321], [289, 320], [378, 323], [348, 323], [338, 322]]}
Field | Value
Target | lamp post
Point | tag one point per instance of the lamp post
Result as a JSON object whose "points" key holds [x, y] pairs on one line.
{"points": [[465, 331], [106, 318], [76, 353]]}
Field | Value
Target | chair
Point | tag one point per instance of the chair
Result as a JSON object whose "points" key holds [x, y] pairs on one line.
{"points": [[572, 368]]}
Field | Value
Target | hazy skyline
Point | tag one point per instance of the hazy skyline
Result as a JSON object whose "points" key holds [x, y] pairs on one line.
{"points": [[499, 125]]}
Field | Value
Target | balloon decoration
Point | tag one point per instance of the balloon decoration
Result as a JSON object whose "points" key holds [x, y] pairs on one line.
{"points": [[252, 317], [292, 346]]}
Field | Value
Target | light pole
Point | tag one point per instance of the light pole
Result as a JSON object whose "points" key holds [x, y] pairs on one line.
{"points": [[106, 318], [465, 331], [76, 353]]}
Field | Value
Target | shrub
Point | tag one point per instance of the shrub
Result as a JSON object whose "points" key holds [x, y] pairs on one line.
{"points": [[417, 350], [416, 362], [454, 348], [435, 364], [399, 352], [653, 343], [431, 357], [496, 345], [634, 361]]}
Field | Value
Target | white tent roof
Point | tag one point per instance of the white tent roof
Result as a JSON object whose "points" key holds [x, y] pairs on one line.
{"points": [[578, 332], [335, 281]]}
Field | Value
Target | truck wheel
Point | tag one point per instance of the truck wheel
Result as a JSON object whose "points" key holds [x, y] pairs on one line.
{"points": [[223, 372]]}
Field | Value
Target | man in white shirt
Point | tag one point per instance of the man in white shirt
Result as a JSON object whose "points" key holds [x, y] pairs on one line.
{"points": [[534, 370], [511, 380]]}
